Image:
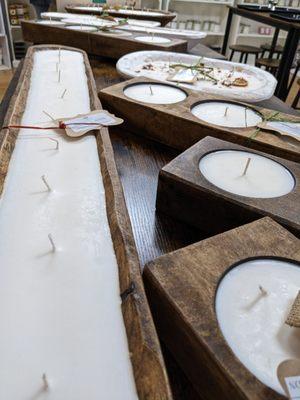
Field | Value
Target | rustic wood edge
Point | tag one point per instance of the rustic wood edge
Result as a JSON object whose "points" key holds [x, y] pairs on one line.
{"points": [[148, 365], [179, 115], [243, 383]]}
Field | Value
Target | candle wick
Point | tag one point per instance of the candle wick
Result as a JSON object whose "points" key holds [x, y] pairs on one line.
{"points": [[56, 141], [246, 166], [59, 55], [52, 242], [151, 91], [226, 111], [59, 76], [46, 183], [48, 115], [263, 291], [64, 92], [45, 382], [246, 125]]}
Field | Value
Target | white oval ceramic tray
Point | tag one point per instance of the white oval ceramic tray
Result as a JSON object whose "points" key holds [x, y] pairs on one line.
{"points": [[261, 84]]}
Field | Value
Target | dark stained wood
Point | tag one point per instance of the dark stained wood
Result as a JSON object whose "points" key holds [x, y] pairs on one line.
{"points": [[184, 193], [148, 366], [94, 43], [139, 161], [175, 125], [181, 288], [164, 17]]}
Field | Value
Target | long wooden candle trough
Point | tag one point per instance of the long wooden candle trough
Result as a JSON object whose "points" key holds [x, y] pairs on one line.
{"points": [[164, 17], [185, 292], [146, 360], [192, 192], [176, 126], [99, 43]]}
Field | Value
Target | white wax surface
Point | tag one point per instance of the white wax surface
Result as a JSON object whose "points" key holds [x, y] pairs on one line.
{"points": [[161, 94], [152, 39], [60, 312], [82, 28], [264, 178], [53, 23], [252, 324], [236, 116]]}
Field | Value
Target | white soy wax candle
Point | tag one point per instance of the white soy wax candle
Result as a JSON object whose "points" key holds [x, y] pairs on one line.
{"points": [[252, 304], [84, 28], [153, 39], [60, 306], [226, 114], [155, 93], [246, 174]]}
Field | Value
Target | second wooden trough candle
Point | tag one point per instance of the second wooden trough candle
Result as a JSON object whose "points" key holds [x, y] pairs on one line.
{"points": [[99, 43]]}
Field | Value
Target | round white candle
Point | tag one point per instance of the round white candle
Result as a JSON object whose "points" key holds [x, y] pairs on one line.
{"points": [[52, 23], [82, 28], [253, 323], [152, 39], [155, 93], [264, 178], [226, 114]]}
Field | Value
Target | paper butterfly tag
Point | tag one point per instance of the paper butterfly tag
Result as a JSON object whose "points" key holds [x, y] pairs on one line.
{"points": [[83, 123], [288, 373], [291, 129], [183, 76]]}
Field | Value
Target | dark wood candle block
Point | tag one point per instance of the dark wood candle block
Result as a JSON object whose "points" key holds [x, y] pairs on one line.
{"points": [[94, 43], [164, 17], [181, 287], [175, 125], [185, 194]]}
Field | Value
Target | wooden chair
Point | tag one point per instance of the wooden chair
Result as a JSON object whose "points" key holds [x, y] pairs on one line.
{"points": [[271, 64], [245, 51], [297, 97], [265, 48]]}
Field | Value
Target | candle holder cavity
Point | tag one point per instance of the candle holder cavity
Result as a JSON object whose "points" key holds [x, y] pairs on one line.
{"points": [[182, 124], [216, 186], [252, 266]]}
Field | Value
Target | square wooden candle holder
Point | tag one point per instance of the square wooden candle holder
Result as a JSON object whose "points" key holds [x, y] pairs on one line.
{"points": [[95, 43], [186, 194], [182, 289], [176, 126]]}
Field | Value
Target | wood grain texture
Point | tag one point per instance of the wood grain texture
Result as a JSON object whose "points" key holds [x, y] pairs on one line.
{"points": [[94, 43], [181, 288], [164, 17], [185, 194], [149, 372], [139, 161], [175, 125]]}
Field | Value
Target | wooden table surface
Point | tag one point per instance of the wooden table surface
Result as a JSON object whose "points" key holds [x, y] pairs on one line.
{"points": [[139, 161]]}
